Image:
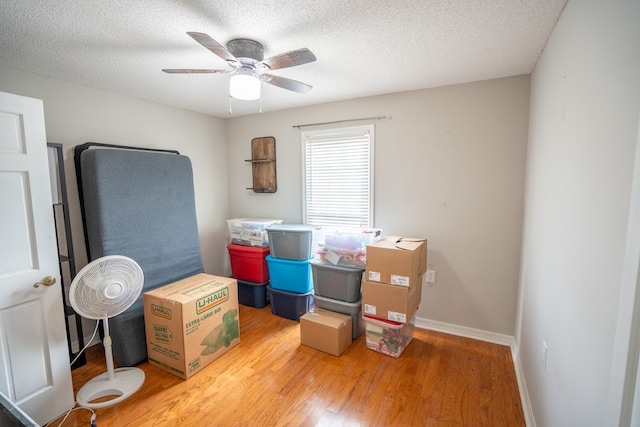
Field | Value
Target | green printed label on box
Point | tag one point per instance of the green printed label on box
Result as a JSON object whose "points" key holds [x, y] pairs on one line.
{"points": [[158, 310], [162, 334], [207, 303], [194, 365]]}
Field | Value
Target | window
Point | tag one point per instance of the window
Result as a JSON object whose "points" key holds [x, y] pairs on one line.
{"points": [[338, 177]]}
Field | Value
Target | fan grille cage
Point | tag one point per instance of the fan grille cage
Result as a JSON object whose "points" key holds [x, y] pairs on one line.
{"points": [[106, 287]]}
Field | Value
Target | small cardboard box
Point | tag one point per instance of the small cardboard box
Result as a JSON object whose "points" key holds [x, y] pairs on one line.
{"points": [[326, 331], [191, 322], [390, 302], [397, 261]]}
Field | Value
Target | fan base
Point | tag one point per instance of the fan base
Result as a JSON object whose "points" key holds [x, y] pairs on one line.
{"points": [[125, 382], [246, 48]]}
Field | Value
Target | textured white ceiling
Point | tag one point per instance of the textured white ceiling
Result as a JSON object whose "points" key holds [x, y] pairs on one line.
{"points": [[364, 47]]}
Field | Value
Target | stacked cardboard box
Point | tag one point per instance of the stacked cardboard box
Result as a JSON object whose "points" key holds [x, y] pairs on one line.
{"points": [[392, 291]]}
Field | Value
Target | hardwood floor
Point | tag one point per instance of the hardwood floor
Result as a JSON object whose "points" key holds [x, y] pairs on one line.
{"points": [[270, 379]]}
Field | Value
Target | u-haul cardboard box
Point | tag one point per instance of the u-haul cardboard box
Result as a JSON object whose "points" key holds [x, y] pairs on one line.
{"points": [[191, 322], [397, 260]]}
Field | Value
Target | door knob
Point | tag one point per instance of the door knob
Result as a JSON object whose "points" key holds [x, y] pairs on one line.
{"points": [[47, 281]]}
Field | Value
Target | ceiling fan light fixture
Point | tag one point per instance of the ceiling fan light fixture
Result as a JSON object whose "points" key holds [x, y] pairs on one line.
{"points": [[244, 85], [245, 57]]}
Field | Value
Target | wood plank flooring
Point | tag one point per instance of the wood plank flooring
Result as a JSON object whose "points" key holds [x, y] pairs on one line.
{"points": [[270, 379]]}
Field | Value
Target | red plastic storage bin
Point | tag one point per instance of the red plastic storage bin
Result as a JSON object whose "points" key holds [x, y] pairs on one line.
{"points": [[249, 263]]}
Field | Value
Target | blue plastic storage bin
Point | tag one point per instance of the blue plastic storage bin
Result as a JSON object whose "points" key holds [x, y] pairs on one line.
{"points": [[289, 275], [253, 294], [290, 305]]}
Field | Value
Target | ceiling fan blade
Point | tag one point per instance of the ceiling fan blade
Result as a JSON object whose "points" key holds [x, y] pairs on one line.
{"points": [[288, 59], [194, 71], [215, 47], [285, 83]]}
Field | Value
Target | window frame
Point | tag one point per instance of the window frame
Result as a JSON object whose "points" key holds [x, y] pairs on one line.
{"points": [[331, 133]]}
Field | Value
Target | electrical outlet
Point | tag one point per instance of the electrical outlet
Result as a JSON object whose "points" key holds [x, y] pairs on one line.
{"points": [[431, 276], [545, 351]]}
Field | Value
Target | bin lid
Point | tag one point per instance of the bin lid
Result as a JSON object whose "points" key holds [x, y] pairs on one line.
{"points": [[253, 221], [329, 266], [292, 227]]}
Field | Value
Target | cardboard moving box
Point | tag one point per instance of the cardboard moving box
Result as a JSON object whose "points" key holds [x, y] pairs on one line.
{"points": [[191, 322], [326, 331], [397, 261], [390, 302]]}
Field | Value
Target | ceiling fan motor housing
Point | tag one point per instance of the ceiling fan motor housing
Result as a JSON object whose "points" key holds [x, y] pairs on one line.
{"points": [[245, 48]]}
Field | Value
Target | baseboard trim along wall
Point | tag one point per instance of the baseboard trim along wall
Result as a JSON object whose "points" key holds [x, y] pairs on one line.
{"points": [[494, 338]]}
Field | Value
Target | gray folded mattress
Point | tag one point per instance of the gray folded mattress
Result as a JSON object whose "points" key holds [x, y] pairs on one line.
{"points": [[140, 204]]}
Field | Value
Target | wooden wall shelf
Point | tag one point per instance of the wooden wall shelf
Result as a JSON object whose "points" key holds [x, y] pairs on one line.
{"points": [[263, 165]]}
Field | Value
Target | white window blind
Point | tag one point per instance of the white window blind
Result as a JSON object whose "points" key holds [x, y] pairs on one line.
{"points": [[338, 187]]}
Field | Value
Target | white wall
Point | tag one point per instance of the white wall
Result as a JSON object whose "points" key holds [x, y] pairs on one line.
{"points": [[585, 104], [449, 166], [77, 114]]}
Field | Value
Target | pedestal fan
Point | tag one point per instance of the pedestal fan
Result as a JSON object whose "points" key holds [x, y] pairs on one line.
{"points": [[102, 289]]}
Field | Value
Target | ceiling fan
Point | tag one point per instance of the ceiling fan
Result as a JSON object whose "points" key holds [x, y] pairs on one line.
{"points": [[246, 61]]}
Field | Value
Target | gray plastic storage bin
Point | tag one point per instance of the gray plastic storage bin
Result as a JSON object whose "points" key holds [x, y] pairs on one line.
{"points": [[291, 241], [353, 309], [341, 283]]}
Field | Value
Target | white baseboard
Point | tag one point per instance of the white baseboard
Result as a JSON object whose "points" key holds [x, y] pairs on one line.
{"points": [[89, 340], [522, 387], [87, 344], [494, 338]]}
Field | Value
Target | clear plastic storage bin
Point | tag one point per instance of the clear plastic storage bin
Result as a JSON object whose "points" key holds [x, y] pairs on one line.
{"points": [[387, 337], [250, 231], [347, 248], [350, 239]]}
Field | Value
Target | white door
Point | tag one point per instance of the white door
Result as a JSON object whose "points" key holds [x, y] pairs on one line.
{"points": [[34, 360]]}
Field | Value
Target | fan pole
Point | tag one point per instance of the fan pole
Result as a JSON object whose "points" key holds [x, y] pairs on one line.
{"points": [[108, 352]]}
